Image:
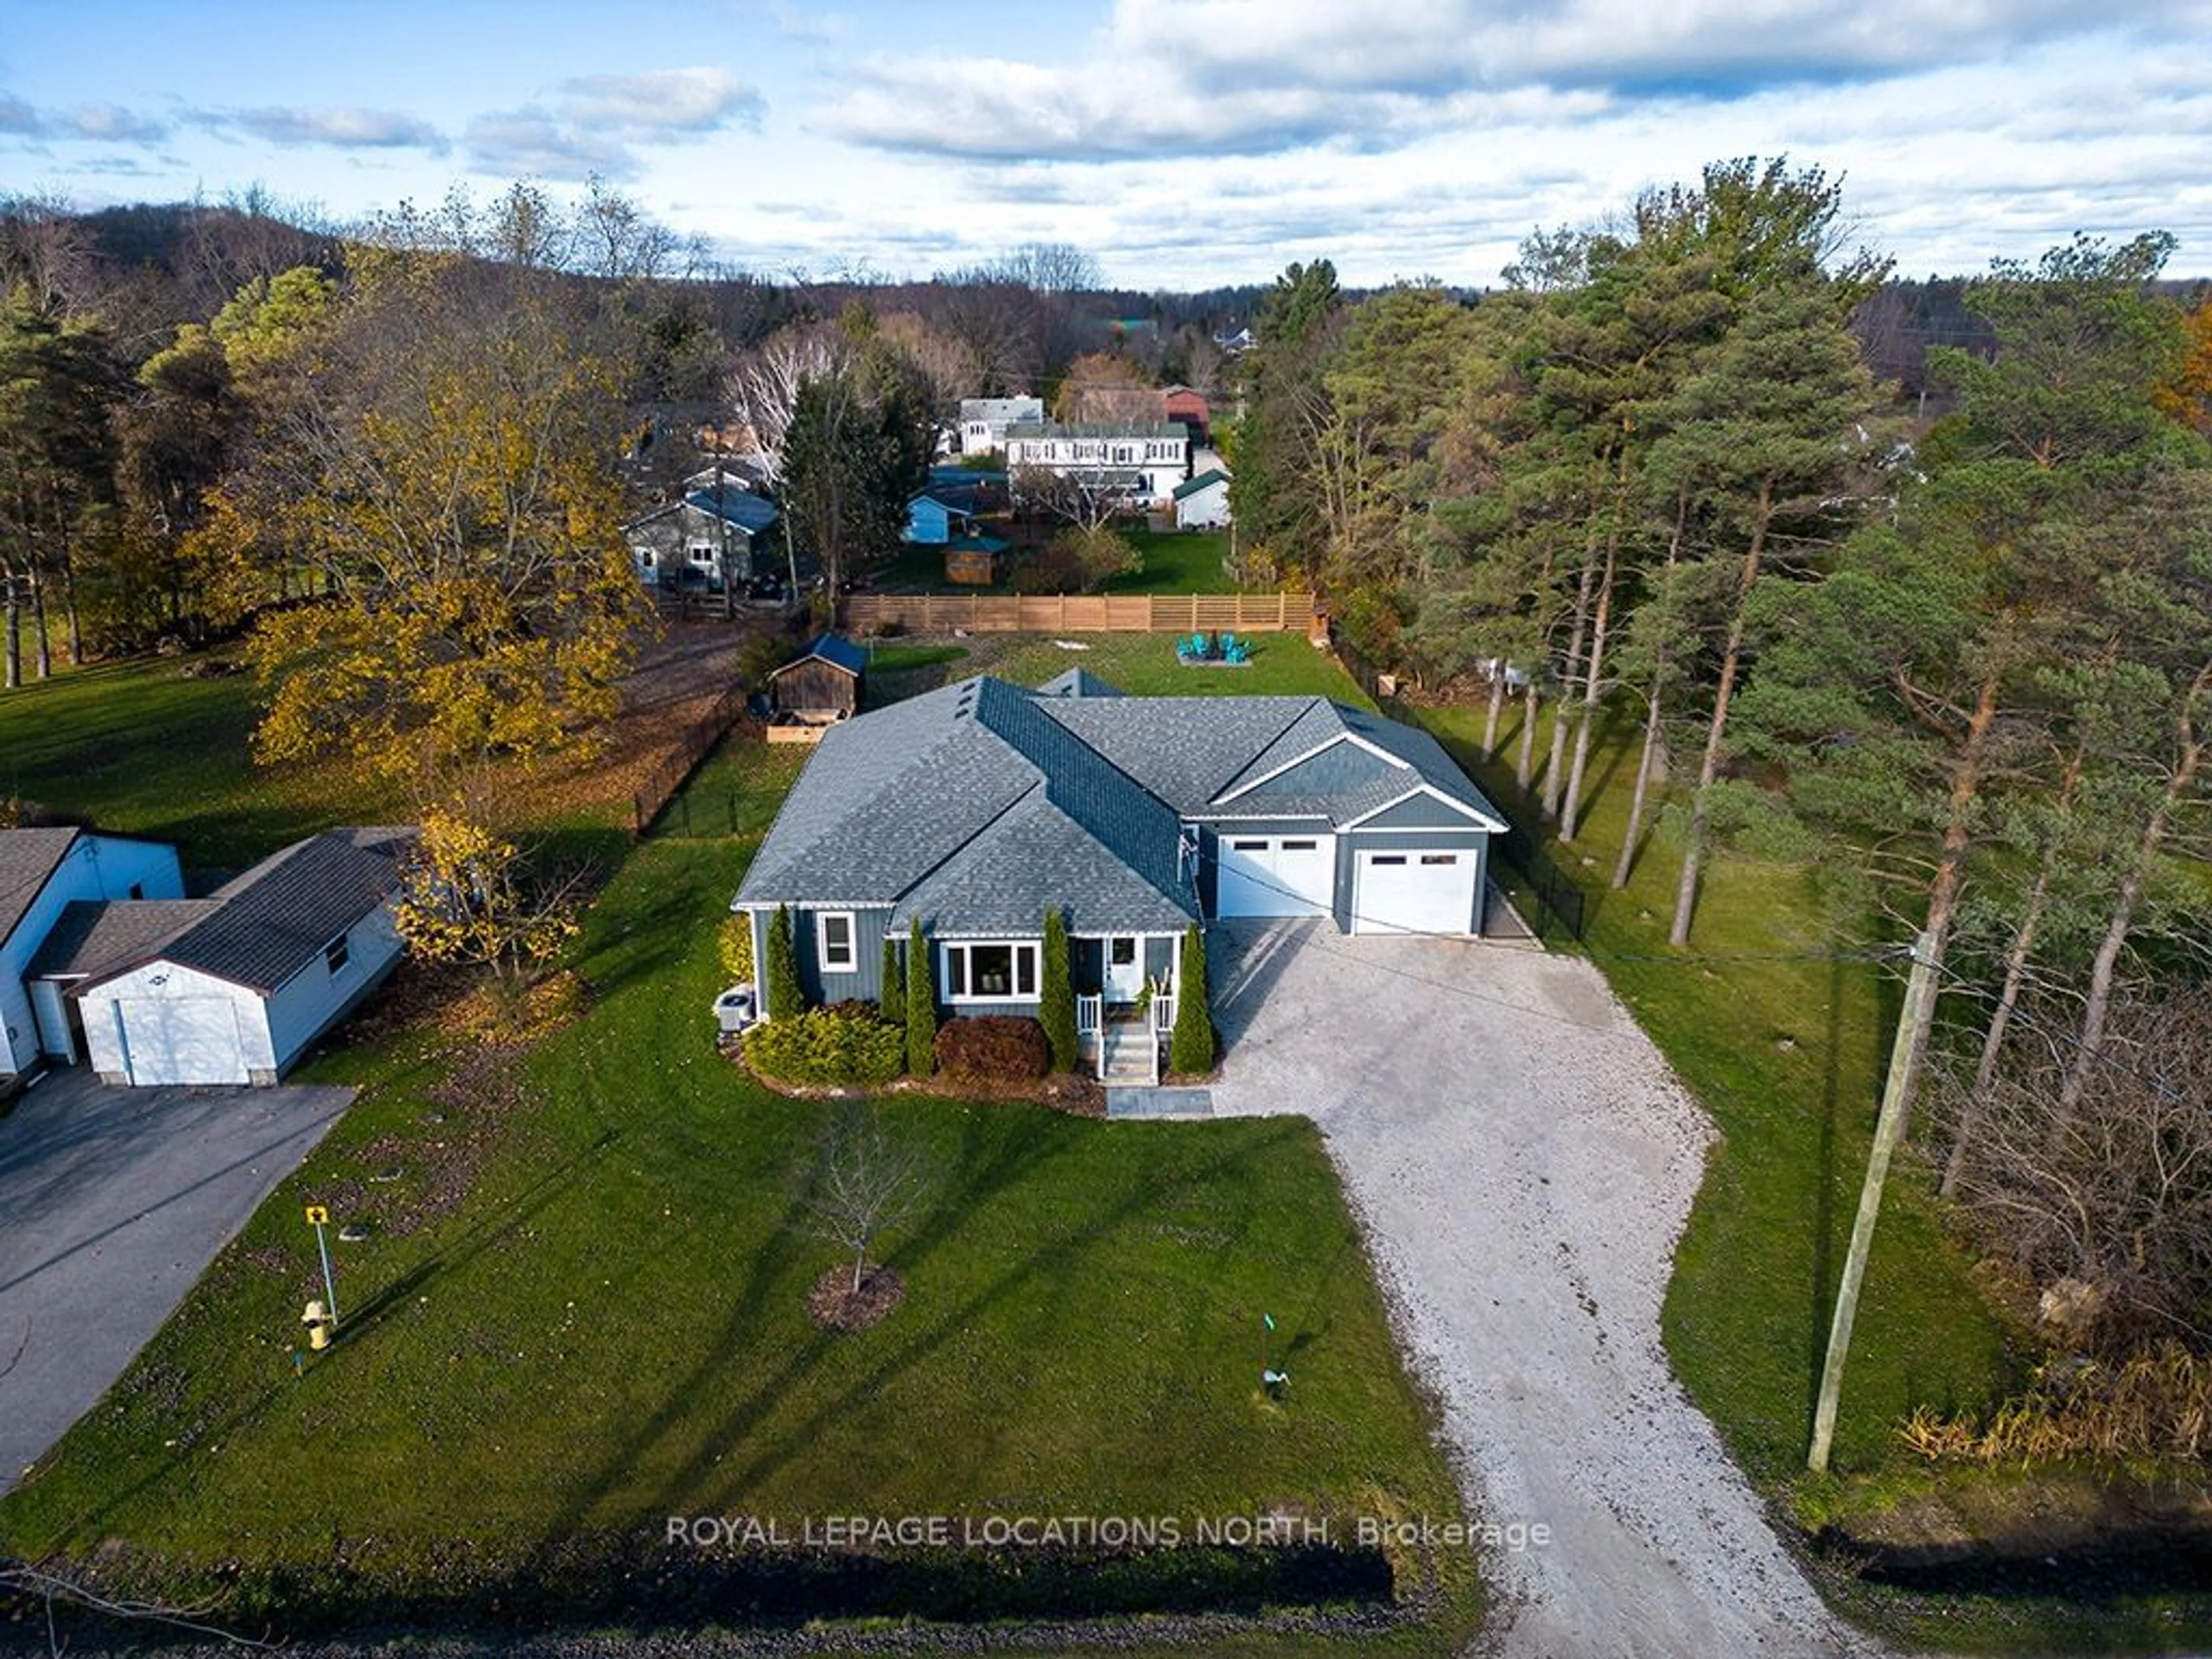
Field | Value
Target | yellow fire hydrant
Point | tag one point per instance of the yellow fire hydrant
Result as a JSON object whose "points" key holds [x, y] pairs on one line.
{"points": [[318, 1327]]}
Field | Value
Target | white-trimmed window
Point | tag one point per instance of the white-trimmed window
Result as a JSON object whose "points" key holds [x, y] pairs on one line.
{"points": [[994, 970], [833, 946]]}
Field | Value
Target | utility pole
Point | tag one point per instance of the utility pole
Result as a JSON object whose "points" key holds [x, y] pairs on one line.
{"points": [[1889, 1129]]}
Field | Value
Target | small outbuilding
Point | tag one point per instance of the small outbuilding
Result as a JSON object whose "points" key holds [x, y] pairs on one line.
{"points": [[820, 685], [1203, 502], [234, 987]]}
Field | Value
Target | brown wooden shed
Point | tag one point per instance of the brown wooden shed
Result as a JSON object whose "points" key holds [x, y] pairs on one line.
{"points": [[822, 683]]}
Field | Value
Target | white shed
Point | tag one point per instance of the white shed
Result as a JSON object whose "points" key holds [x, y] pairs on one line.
{"points": [[240, 983], [1203, 502]]}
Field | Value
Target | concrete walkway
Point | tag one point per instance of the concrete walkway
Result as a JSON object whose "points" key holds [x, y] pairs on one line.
{"points": [[112, 1202], [1523, 1161]]}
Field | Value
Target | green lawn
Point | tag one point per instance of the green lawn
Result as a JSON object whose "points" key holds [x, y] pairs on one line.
{"points": [[1176, 562], [1143, 665], [581, 1311], [137, 747]]}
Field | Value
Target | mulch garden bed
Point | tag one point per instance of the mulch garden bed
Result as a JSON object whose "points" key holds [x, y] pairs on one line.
{"points": [[834, 1306]]}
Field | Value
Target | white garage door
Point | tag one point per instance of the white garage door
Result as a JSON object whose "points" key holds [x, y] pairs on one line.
{"points": [[1415, 892], [179, 1039], [1276, 876]]}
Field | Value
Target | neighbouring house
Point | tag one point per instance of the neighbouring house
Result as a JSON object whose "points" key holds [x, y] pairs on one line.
{"points": [[1202, 503], [1237, 341], [43, 872], [1186, 406], [227, 989], [974, 808], [984, 421], [1141, 460], [719, 524], [822, 683]]}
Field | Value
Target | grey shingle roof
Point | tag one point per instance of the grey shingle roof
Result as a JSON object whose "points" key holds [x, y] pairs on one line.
{"points": [[28, 859], [264, 926], [1184, 750], [906, 807], [1097, 429], [977, 805], [96, 935]]}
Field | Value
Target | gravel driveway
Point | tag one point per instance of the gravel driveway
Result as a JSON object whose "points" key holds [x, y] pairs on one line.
{"points": [[1524, 1160]]}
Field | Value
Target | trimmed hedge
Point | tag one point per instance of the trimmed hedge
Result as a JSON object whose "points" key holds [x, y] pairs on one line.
{"points": [[994, 1048], [844, 1044]]}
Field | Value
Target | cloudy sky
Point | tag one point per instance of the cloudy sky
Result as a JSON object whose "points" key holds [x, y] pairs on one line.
{"points": [[1184, 142]]}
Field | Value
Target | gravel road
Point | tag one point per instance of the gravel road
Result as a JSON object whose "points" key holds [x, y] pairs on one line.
{"points": [[1524, 1160]]}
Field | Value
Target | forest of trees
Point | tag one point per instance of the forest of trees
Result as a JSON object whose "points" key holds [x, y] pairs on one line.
{"points": [[1962, 637]]}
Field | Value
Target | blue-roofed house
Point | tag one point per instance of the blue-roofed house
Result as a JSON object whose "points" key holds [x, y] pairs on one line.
{"points": [[717, 530], [975, 808]]}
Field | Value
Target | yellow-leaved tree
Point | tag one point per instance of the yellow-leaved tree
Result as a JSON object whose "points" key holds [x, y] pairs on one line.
{"points": [[468, 899], [447, 459]]}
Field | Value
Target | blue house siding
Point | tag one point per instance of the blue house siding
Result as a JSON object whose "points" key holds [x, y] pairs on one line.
{"points": [[865, 981]]}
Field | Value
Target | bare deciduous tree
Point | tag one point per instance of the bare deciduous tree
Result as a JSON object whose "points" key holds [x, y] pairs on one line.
{"points": [[2108, 1209], [867, 1183]]}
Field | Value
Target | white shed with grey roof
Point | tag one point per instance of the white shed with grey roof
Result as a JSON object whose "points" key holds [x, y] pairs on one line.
{"points": [[241, 985]]}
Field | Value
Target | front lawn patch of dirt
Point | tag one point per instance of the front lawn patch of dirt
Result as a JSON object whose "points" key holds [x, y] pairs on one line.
{"points": [[835, 1305]]}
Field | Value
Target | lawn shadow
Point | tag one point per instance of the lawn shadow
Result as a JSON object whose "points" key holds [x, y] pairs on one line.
{"points": [[956, 1322]]}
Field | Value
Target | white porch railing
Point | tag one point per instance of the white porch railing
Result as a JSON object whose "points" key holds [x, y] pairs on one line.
{"points": [[1091, 1022], [1162, 1029]]}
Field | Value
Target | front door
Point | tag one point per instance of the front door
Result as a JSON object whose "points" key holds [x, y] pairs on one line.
{"points": [[1125, 969]]}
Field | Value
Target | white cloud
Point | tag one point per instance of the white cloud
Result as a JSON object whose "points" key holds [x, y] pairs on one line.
{"points": [[592, 121], [345, 128], [105, 124]]}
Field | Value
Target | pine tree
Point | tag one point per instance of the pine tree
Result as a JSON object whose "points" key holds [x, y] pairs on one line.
{"points": [[920, 1006], [1190, 1050], [1056, 1009], [785, 996]]}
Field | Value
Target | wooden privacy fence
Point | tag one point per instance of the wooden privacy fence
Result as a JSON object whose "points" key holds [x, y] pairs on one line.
{"points": [[1079, 613]]}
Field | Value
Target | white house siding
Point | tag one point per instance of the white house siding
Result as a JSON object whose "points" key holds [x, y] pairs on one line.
{"points": [[96, 867], [1204, 509], [306, 1005], [162, 1024]]}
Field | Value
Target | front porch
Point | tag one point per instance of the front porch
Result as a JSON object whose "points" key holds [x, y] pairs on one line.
{"points": [[1126, 986]]}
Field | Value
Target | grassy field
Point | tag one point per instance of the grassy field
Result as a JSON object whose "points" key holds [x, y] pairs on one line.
{"points": [[580, 1310], [1176, 562], [137, 747], [1143, 665]]}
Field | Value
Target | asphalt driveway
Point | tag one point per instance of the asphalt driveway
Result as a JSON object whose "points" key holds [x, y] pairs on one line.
{"points": [[1523, 1161], [113, 1201]]}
